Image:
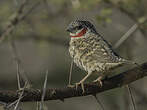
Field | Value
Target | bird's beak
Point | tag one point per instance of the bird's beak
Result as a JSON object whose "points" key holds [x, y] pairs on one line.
{"points": [[69, 29]]}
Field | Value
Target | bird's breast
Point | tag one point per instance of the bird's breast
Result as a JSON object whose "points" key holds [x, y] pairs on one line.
{"points": [[81, 53]]}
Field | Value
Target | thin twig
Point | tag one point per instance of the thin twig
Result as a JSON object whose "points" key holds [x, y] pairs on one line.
{"points": [[70, 73], [29, 11], [22, 80], [44, 91], [19, 16], [18, 76], [128, 33], [21, 76], [17, 61], [21, 95], [126, 36], [13, 22], [132, 97], [16, 102], [11, 105]]}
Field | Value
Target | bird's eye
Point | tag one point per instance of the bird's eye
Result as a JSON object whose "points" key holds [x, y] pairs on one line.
{"points": [[79, 27]]}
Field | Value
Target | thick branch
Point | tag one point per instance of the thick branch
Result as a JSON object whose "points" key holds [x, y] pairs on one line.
{"points": [[90, 89]]}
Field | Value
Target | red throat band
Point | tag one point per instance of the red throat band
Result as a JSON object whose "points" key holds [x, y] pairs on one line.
{"points": [[80, 34]]}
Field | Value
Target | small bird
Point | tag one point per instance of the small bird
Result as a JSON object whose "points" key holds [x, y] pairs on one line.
{"points": [[91, 52]]}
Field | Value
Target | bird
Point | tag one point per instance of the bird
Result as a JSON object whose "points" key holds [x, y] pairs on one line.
{"points": [[91, 52]]}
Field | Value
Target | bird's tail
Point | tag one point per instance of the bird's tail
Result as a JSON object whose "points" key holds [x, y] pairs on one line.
{"points": [[128, 62], [131, 62]]}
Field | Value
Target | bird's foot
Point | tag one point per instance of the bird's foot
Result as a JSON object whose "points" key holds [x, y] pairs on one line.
{"points": [[99, 81], [82, 85]]}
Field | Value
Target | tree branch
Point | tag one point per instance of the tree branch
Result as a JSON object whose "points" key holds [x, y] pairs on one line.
{"points": [[18, 17], [66, 92]]}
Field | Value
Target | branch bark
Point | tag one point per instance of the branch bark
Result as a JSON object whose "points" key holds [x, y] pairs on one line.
{"points": [[90, 89]]}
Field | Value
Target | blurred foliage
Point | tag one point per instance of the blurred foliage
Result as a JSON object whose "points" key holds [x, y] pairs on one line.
{"points": [[43, 21], [131, 5], [42, 40], [104, 16], [89, 3]]}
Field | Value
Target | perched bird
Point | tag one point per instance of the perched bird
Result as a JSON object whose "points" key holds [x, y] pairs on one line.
{"points": [[91, 52]]}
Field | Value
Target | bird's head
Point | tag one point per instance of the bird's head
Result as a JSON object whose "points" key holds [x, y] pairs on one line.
{"points": [[78, 28]]}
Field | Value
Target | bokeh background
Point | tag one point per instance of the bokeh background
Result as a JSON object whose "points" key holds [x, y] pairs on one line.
{"points": [[41, 44]]}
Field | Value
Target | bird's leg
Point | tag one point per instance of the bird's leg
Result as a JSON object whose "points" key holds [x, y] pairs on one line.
{"points": [[99, 80], [82, 82]]}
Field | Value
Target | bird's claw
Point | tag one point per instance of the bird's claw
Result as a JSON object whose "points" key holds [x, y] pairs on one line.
{"points": [[99, 82], [76, 86], [82, 86]]}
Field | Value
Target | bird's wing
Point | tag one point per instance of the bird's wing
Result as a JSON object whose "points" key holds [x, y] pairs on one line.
{"points": [[102, 51]]}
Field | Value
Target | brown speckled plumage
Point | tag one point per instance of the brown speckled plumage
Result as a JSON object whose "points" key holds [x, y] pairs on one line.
{"points": [[91, 52]]}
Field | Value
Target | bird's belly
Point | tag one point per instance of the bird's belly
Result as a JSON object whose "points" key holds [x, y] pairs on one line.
{"points": [[89, 64], [83, 61], [77, 57]]}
